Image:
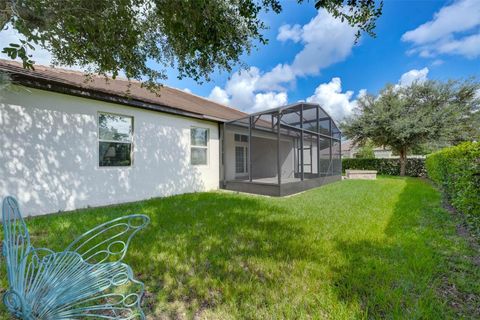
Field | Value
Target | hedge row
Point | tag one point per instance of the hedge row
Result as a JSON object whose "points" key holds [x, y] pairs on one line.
{"points": [[414, 168], [457, 171]]}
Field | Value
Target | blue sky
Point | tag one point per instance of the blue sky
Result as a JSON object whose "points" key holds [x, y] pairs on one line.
{"points": [[311, 56], [371, 63]]}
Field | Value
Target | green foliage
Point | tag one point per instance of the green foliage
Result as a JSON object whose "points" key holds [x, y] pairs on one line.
{"points": [[429, 147], [15, 50], [360, 13], [457, 171], [382, 249], [143, 37], [407, 117], [366, 151], [414, 167]]}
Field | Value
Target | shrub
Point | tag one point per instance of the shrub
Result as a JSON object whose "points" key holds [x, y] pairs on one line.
{"points": [[457, 171], [414, 168]]}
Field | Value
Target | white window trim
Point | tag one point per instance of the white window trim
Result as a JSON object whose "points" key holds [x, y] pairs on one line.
{"points": [[207, 147], [104, 140], [243, 145]]}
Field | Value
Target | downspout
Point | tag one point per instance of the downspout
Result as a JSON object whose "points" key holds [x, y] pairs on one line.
{"points": [[250, 122], [340, 150], [223, 164], [279, 166], [318, 143], [331, 144], [301, 141]]}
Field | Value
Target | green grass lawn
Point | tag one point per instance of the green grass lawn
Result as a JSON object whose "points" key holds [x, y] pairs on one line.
{"points": [[348, 250]]}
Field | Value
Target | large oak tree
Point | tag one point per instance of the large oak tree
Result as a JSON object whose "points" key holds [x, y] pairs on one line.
{"points": [[196, 37], [404, 118]]}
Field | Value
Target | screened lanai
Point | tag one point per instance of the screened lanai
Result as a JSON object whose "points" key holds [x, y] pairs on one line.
{"points": [[281, 151]]}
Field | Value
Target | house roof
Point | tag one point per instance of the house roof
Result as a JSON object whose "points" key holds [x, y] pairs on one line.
{"points": [[119, 90], [347, 145]]}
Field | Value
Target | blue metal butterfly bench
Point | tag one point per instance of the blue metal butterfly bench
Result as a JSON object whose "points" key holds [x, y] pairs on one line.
{"points": [[86, 280]]}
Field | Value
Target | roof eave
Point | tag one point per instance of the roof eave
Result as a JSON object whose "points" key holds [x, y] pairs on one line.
{"points": [[31, 81]]}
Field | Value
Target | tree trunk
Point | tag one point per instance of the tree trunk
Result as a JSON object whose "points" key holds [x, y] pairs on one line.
{"points": [[403, 161]]}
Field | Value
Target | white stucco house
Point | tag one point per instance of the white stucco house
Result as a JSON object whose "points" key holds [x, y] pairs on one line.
{"points": [[68, 142]]}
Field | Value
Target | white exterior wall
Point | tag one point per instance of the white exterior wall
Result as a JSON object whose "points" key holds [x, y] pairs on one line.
{"points": [[49, 153]]}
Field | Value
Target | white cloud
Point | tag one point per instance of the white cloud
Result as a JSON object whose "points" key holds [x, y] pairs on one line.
{"points": [[219, 95], [453, 30], [477, 94], [437, 62], [325, 40], [341, 104], [412, 76], [361, 93], [269, 100], [467, 46], [241, 88], [10, 35], [459, 16], [187, 90], [274, 79], [247, 91], [288, 32], [330, 97]]}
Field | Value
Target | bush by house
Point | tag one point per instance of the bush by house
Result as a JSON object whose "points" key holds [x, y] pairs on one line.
{"points": [[457, 171]]}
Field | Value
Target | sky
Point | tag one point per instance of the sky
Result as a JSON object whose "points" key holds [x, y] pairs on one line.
{"points": [[313, 57]]}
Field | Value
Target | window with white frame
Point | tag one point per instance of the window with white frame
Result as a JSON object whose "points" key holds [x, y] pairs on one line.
{"points": [[241, 154], [199, 146], [115, 140], [241, 162]]}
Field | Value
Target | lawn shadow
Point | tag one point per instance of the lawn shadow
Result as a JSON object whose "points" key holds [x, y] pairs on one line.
{"points": [[200, 250], [401, 275], [221, 255], [210, 249]]}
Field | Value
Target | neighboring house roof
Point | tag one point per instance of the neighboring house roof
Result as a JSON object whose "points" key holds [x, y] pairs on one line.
{"points": [[119, 90], [347, 145]]}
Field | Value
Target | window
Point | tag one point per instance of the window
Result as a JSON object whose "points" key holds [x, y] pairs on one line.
{"points": [[199, 146], [115, 136], [241, 137], [241, 163], [241, 154]]}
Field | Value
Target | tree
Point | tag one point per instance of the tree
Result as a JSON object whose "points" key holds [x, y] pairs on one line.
{"points": [[406, 117], [429, 147], [197, 37], [366, 150]]}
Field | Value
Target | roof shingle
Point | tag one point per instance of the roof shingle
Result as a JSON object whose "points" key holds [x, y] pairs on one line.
{"points": [[167, 97]]}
